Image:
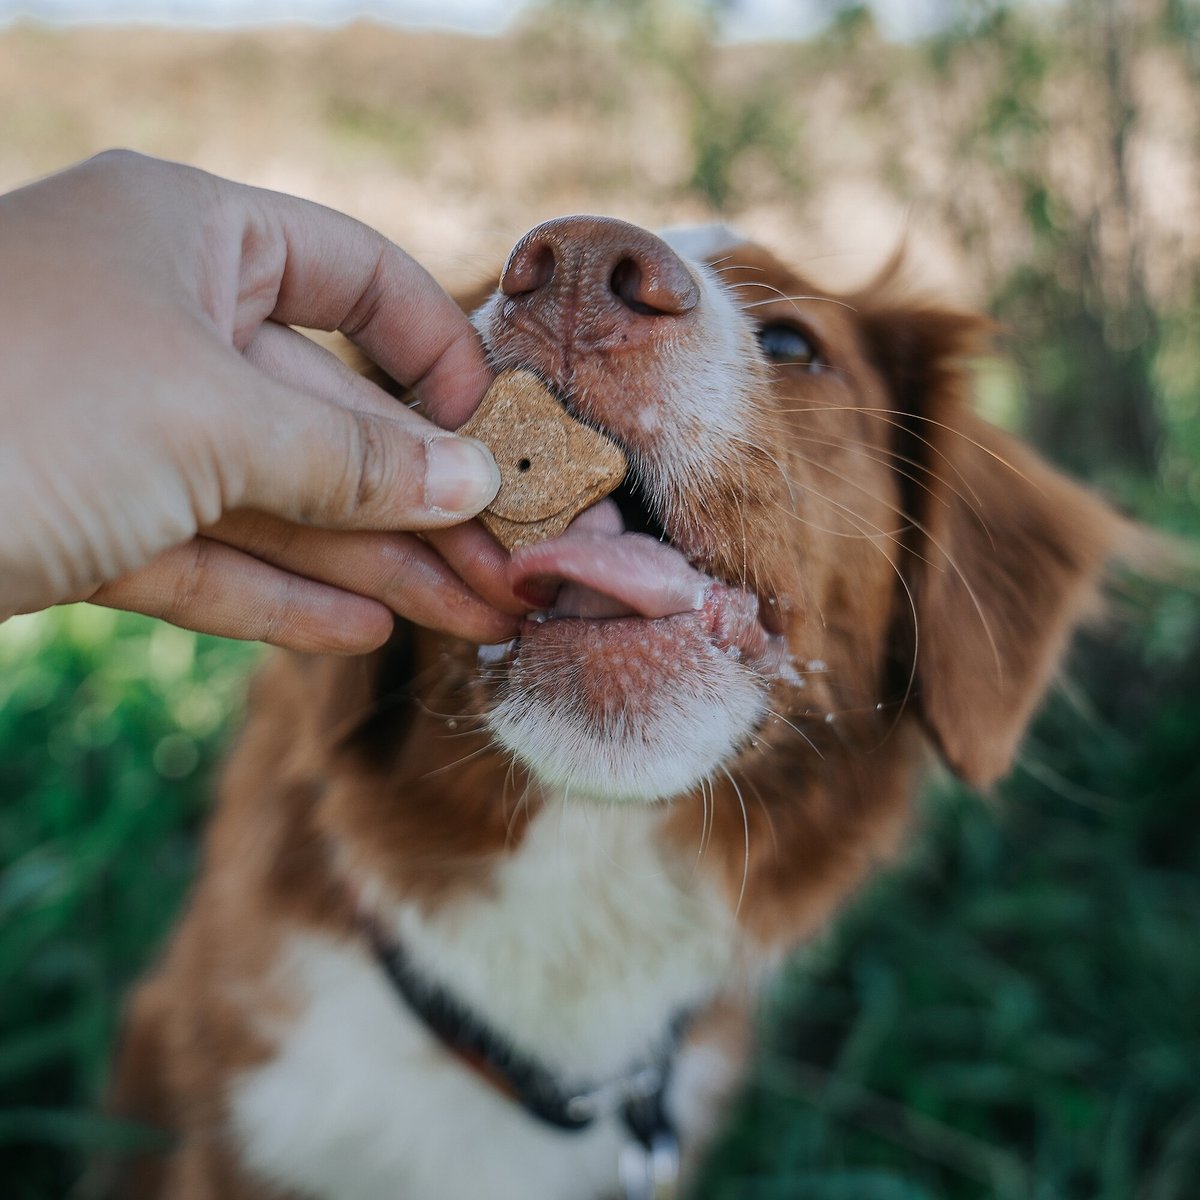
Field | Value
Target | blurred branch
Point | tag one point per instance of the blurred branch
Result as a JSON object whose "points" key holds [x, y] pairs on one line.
{"points": [[728, 120], [1040, 147]]}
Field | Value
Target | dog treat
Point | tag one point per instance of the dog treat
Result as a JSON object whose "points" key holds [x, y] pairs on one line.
{"points": [[551, 466]]}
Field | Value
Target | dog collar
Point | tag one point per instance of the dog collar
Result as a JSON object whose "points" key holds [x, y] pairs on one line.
{"points": [[649, 1164]]}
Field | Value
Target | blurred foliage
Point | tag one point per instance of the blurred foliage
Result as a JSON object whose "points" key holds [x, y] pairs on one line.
{"points": [[1015, 1011], [1046, 185], [110, 726], [736, 126]]}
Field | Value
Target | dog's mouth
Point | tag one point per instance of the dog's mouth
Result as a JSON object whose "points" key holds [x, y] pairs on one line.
{"points": [[646, 672], [617, 565]]}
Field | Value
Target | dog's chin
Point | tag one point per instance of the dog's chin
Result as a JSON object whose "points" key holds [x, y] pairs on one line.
{"points": [[627, 709]]}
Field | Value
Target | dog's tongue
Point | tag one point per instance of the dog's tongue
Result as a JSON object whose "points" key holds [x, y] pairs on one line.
{"points": [[606, 572]]}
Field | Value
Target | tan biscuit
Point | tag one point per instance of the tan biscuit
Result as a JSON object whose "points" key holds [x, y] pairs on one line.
{"points": [[551, 466]]}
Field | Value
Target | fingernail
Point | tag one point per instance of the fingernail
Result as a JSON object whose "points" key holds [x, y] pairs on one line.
{"points": [[461, 475]]}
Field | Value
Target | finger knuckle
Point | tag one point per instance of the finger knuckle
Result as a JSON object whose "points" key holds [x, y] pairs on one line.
{"points": [[126, 170], [365, 308], [190, 584], [119, 158], [375, 474], [276, 619]]}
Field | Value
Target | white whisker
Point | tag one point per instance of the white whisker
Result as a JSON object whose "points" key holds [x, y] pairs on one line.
{"points": [[746, 831]]}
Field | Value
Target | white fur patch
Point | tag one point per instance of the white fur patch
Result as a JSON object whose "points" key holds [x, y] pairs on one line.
{"points": [[593, 941], [700, 392], [589, 944], [699, 242], [696, 723]]}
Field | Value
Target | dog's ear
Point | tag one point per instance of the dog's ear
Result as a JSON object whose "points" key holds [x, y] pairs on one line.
{"points": [[1004, 554], [1009, 563]]}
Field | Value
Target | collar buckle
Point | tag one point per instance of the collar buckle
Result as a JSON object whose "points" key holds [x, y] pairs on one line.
{"points": [[616, 1094]]}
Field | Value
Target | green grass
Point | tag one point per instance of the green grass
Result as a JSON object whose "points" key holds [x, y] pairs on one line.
{"points": [[1012, 1015], [109, 729], [1014, 1012]]}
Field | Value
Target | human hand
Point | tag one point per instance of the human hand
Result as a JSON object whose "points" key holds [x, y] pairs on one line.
{"points": [[172, 447]]}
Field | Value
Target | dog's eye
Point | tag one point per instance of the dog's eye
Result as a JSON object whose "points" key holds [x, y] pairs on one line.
{"points": [[788, 346]]}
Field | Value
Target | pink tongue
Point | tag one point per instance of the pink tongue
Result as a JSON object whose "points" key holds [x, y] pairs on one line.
{"points": [[606, 572]]}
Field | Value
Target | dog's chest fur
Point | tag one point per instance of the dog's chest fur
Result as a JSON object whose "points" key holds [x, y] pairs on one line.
{"points": [[586, 946]]}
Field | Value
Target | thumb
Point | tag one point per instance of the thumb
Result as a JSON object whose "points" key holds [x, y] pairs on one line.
{"points": [[314, 461]]}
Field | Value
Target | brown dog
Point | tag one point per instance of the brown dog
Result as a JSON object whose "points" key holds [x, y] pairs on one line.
{"points": [[487, 922]]}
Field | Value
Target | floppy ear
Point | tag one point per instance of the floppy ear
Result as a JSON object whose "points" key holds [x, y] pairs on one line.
{"points": [[1004, 557]]}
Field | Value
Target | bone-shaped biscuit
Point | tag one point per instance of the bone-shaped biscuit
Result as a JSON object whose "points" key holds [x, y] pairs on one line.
{"points": [[551, 466]]}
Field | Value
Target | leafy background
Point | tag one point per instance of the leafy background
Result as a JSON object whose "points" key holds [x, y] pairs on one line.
{"points": [[1014, 1011]]}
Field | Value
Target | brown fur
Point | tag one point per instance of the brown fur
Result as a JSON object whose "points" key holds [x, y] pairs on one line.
{"points": [[935, 567]]}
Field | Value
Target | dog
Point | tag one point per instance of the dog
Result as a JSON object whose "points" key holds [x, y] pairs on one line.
{"points": [[491, 921]]}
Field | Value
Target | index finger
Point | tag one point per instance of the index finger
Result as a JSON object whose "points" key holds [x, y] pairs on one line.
{"points": [[340, 274]]}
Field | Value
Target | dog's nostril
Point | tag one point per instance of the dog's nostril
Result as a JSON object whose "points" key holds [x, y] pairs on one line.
{"points": [[625, 282], [530, 267], [654, 288]]}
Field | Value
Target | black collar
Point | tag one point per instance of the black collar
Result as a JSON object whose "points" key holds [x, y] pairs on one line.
{"points": [[638, 1098]]}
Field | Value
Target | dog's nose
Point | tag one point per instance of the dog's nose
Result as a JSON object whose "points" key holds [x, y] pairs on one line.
{"points": [[597, 276]]}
